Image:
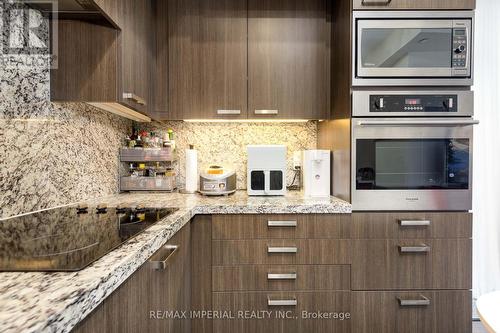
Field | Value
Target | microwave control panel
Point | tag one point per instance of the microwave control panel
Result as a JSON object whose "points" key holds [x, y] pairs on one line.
{"points": [[459, 48], [413, 103]]}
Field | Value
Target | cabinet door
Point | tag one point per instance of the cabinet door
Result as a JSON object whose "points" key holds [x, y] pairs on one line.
{"points": [[207, 59], [412, 4], [139, 304], [287, 59], [136, 39]]}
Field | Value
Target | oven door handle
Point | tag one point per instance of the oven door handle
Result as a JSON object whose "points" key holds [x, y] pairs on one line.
{"points": [[419, 122]]}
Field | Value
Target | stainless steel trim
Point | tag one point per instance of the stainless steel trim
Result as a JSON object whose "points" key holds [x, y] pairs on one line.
{"points": [[281, 302], [135, 98], [361, 103], [283, 249], [228, 112], [162, 264], [419, 122], [414, 249], [375, 2], [414, 223], [281, 223], [423, 301], [415, 76], [410, 200], [282, 276], [266, 112]]}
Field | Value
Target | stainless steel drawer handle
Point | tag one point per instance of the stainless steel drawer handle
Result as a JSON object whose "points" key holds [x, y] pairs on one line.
{"points": [[162, 264], [282, 249], [281, 223], [281, 302], [135, 98], [415, 249], [375, 2], [266, 112], [228, 112], [414, 223], [282, 276], [423, 301]]}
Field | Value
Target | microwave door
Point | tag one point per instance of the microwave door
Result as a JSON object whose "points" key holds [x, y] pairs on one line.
{"points": [[404, 48]]}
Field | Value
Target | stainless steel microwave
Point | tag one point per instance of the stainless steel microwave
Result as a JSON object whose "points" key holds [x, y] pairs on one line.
{"points": [[413, 48], [412, 164]]}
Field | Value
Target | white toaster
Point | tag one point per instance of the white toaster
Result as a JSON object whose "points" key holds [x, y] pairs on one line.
{"points": [[266, 170]]}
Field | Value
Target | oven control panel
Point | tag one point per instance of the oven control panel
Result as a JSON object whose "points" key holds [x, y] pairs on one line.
{"points": [[413, 103], [459, 48]]}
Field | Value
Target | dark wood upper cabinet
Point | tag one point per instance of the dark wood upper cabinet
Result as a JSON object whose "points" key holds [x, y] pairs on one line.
{"points": [[107, 64], [137, 43], [207, 59], [412, 4], [288, 59]]}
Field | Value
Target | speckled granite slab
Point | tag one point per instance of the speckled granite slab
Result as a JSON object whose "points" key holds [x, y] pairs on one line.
{"points": [[56, 302]]}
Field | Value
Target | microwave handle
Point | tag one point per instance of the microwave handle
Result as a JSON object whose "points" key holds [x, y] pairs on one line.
{"points": [[424, 122]]}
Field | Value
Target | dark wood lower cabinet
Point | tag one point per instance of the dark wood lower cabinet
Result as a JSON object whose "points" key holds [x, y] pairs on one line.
{"points": [[438, 312], [227, 276], [252, 312], [139, 304]]}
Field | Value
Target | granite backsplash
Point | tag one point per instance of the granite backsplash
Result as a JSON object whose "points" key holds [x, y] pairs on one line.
{"points": [[224, 143], [50, 154]]}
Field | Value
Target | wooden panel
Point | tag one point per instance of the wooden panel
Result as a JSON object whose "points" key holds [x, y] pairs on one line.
{"points": [[201, 268], [387, 225], [207, 58], [335, 302], [449, 311], [378, 264], [255, 277], [256, 226], [128, 308], [87, 65], [413, 4], [136, 39], [313, 251], [287, 58]]}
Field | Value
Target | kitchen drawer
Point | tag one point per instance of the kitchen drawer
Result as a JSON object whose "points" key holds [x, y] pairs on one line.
{"points": [[281, 226], [411, 225], [331, 302], [282, 277], [395, 264], [281, 251], [439, 312], [414, 4]]}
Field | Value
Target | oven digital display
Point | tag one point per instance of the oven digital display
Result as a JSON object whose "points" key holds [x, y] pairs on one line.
{"points": [[412, 101]]}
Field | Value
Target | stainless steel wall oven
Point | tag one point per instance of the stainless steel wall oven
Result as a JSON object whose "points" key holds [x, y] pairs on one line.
{"points": [[415, 162]]}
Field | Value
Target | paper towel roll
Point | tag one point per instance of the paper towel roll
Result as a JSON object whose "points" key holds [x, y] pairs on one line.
{"points": [[191, 170]]}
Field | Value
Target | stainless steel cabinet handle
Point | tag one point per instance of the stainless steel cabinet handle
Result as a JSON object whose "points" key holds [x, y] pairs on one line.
{"points": [[414, 223], [135, 98], [375, 2], [282, 276], [228, 112], [281, 223], [281, 302], [266, 112], [440, 122], [414, 249], [423, 301], [284, 249], [162, 264]]}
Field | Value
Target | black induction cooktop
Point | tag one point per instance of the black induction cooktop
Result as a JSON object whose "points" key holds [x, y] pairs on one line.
{"points": [[70, 238]]}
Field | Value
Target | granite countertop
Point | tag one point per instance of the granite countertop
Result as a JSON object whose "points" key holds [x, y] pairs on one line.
{"points": [[56, 302]]}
